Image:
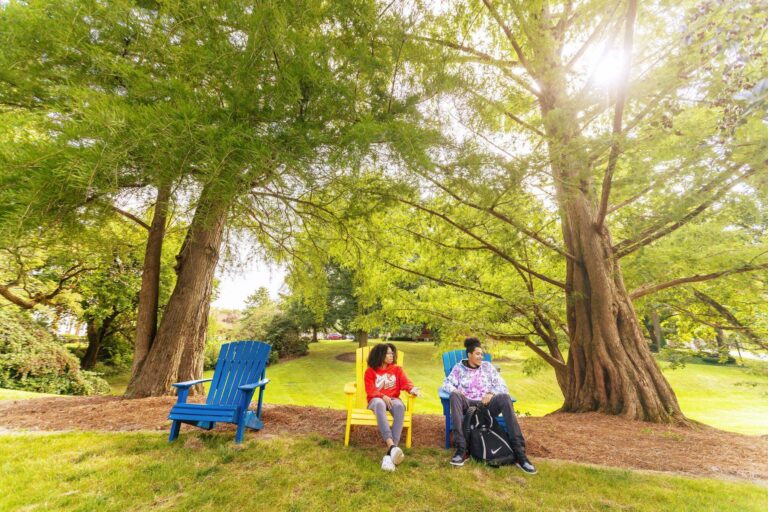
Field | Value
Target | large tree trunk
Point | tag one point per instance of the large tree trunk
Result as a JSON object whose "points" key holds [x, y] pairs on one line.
{"points": [[187, 306], [610, 368], [146, 321], [193, 359]]}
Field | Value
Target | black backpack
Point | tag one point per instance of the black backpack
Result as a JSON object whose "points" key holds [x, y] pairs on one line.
{"points": [[486, 440]]}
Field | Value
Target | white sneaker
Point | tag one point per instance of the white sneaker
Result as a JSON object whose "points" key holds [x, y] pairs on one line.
{"points": [[397, 455], [387, 464]]}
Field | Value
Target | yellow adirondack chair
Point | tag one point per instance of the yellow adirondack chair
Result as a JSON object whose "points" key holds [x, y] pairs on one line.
{"points": [[357, 404]]}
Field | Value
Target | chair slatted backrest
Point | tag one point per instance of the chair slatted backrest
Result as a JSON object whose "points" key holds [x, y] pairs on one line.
{"points": [[450, 359], [361, 364], [239, 363]]}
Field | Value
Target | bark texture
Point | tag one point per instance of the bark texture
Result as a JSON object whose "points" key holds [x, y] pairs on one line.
{"points": [[149, 294], [193, 359], [610, 368], [188, 305]]}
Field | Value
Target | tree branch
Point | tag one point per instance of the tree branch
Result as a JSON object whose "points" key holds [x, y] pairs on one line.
{"points": [[504, 218], [40, 297], [599, 29], [510, 36], [6, 292], [447, 282], [481, 56], [524, 124], [621, 98], [129, 215], [660, 230], [735, 323], [487, 244], [644, 290]]}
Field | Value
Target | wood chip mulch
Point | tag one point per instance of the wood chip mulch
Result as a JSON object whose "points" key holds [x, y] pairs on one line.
{"points": [[583, 438]]}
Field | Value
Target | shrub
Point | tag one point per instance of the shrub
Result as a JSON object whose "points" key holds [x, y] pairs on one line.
{"points": [[533, 366], [676, 357], [283, 335], [32, 360], [212, 350], [719, 356]]}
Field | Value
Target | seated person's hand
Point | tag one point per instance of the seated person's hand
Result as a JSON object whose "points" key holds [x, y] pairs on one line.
{"points": [[487, 398], [387, 401], [415, 391]]}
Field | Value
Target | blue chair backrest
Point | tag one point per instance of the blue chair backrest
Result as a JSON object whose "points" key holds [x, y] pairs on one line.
{"points": [[450, 359], [240, 363]]}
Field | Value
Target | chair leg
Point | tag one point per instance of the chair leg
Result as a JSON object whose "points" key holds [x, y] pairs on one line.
{"points": [[175, 428], [347, 429], [240, 430], [408, 438], [447, 432]]}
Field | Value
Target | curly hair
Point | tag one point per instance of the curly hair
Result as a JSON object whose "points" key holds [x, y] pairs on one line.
{"points": [[471, 344], [378, 354]]}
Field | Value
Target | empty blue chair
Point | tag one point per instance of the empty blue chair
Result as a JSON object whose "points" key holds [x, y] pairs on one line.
{"points": [[450, 359], [239, 371]]}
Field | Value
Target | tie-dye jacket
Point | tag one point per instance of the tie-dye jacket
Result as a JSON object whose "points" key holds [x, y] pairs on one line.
{"points": [[474, 382]]}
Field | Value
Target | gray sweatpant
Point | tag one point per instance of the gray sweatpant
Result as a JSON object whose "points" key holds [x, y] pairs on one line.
{"points": [[379, 408]]}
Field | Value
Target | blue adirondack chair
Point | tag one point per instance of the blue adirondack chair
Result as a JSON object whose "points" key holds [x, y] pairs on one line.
{"points": [[239, 371], [450, 359]]}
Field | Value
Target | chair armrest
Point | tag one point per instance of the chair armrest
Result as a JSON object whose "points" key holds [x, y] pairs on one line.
{"points": [[250, 387], [188, 384], [350, 388]]}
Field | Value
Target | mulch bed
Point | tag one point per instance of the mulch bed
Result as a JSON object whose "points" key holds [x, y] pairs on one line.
{"points": [[584, 438], [346, 357]]}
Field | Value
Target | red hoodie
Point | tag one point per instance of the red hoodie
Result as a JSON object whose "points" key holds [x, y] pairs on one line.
{"points": [[388, 381]]}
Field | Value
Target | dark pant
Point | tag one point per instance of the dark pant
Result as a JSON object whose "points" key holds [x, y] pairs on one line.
{"points": [[498, 404]]}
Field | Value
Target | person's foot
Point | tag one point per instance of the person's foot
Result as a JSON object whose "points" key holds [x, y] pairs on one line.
{"points": [[397, 455], [387, 464], [524, 464], [459, 458]]}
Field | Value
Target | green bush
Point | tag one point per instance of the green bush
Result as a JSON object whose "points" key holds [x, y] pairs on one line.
{"points": [[212, 350], [32, 360], [284, 336], [677, 358], [533, 366]]}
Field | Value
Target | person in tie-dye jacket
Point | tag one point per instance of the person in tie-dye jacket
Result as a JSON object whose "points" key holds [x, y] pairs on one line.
{"points": [[473, 382]]}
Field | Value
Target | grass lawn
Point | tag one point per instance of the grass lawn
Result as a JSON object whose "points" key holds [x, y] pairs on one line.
{"points": [[726, 397], [14, 394], [122, 471]]}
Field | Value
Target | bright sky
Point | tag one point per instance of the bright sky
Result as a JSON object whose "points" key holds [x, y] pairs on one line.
{"points": [[236, 285]]}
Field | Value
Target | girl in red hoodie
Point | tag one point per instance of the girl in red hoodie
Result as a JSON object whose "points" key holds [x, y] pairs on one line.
{"points": [[384, 380]]}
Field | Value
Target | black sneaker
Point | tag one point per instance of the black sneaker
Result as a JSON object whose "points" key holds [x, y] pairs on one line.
{"points": [[524, 464], [459, 458]]}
